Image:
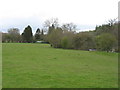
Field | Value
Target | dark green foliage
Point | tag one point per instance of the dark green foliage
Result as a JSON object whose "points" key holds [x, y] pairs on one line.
{"points": [[84, 41], [104, 37], [37, 35], [103, 29], [107, 28], [110, 30], [42, 33], [105, 42], [77, 42], [27, 34]]}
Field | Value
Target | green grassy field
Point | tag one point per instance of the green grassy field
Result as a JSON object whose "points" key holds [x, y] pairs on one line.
{"points": [[40, 66]]}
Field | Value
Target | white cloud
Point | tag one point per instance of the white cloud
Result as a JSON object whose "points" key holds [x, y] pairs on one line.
{"points": [[89, 12]]}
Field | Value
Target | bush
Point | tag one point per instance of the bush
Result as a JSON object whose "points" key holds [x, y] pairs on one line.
{"points": [[67, 40], [55, 37], [64, 42], [83, 41], [105, 42]]}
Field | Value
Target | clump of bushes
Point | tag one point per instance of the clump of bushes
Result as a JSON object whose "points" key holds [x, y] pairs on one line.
{"points": [[106, 41]]}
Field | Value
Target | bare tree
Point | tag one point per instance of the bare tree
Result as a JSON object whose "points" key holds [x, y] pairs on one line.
{"points": [[112, 21], [52, 21], [69, 27], [14, 34]]}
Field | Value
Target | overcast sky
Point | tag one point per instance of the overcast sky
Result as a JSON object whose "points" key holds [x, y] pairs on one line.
{"points": [[86, 14]]}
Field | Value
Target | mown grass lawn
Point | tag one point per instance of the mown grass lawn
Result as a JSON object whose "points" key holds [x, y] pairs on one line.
{"points": [[41, 66]]}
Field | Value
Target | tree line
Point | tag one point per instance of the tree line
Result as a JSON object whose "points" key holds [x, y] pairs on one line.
{"points": [[13, 35], [103, 38]]}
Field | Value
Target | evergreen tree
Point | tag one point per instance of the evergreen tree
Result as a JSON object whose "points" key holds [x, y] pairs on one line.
{"points": [[42, 33], [37, 34], [27, 34]]}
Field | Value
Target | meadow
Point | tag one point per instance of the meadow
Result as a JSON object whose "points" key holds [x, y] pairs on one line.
{"points": [[27, 65]]}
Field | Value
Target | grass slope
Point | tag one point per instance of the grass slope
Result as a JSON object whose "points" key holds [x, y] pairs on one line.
{"points": [[40, 66]]}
